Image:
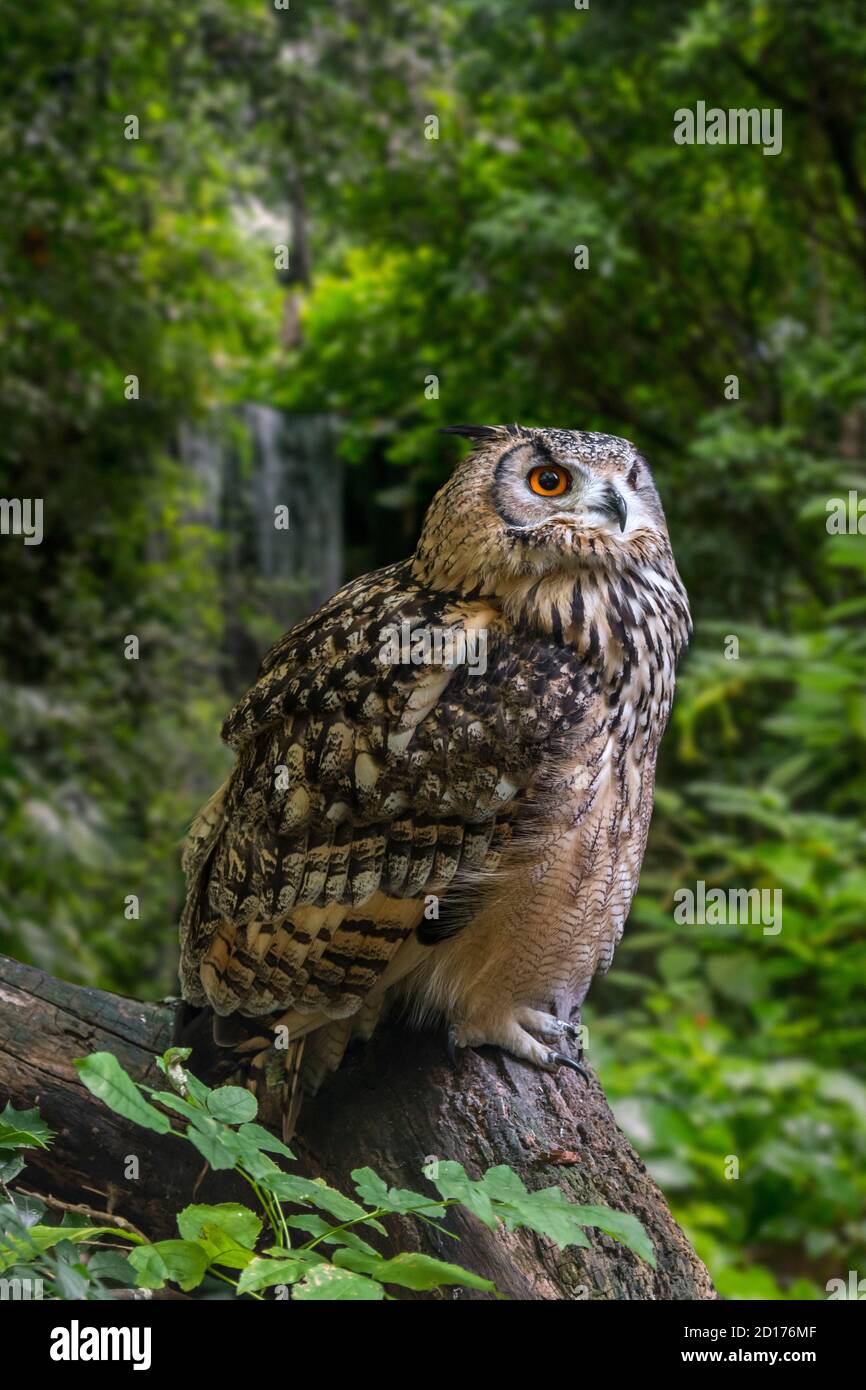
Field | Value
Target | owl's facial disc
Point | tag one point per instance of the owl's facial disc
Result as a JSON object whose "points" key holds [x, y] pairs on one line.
{"points": [[545, 498], [537, 503]]}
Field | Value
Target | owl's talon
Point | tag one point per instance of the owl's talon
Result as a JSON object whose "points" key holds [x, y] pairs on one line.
{"points": [[452, 1046], [558, 1059]]}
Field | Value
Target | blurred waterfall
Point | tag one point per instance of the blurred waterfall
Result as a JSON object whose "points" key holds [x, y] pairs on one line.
{"points": [[294, 465], [253, 466]]}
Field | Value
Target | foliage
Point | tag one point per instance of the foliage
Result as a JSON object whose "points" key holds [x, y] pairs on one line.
{"points": [[455, 257], [255, 1251]]}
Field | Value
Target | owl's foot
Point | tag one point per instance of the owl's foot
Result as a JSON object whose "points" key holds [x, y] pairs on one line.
{"points": [[513, 1035], [549, 1027], [553, 1029]]}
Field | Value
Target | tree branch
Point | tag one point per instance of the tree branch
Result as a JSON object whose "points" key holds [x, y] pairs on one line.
{"points": [[395, 1103]]}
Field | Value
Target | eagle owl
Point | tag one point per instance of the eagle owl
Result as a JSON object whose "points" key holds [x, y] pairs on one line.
{"points": [[465, 833]]}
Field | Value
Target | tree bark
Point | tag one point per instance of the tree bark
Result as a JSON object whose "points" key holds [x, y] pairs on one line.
{"points": [[395, 1103]]}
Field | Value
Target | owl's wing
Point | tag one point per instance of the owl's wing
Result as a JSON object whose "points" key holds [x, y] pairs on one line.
{"points": [[361, 786]]}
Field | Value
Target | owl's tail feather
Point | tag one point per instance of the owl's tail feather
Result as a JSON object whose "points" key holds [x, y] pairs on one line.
{"points": [[328, 1042], [274, 1077], [277, 1072], [280, 1077], [325, 1051], [267, 1065], [294, 1094]]}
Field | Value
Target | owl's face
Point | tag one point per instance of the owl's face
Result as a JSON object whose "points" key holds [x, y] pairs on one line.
{"points": [[544, 502]]}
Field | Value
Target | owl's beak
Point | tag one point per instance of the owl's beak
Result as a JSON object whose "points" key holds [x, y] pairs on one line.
{"points": [[614, 503]]}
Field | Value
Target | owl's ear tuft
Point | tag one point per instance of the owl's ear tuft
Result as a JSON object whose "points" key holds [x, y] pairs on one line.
{"points": [[472, 431], [482, 431]]}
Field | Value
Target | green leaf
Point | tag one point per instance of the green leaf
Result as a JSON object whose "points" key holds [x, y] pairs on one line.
{"points": [[264, 1273], [11, 1165], [196, 1089], [222, 1146], [218, 1142], [453, 1182], [150, 1268], [373, 1190], [111, 1265], [244, 1148], [21, 1245], [23, 1129], [319, 1228], [183, 1262], [548, 1212], [328, 1282], [103, 1075], [551, 1214], [263, 1139], [72, 1281], [250, 1157], [238, 1224], [233, 1105], [501, 1193], [503, 1184], [209, 1142], [410, 1271], [290, 1188], [178, 1104], [620, 1224]]}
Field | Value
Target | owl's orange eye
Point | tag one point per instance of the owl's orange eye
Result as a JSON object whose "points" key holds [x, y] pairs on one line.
{"points": [[549, 480]]}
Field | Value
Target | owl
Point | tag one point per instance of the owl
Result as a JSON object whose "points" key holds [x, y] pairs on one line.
{"points": [[444, 777]]}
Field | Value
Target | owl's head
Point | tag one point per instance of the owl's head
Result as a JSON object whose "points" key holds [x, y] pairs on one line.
{"points": [[542, 503]]}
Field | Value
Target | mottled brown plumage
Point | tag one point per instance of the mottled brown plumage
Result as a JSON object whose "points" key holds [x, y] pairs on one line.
{"points": [[474, 838]]}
